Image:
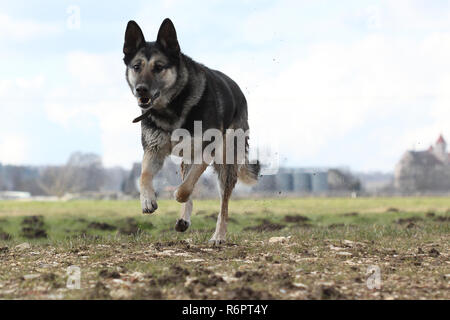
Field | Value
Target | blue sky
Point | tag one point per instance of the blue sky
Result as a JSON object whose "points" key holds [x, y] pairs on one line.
{"points": [[329, 83]]}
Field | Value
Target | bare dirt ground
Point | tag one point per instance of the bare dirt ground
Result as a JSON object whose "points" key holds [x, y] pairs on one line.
{"points": [[312, 254]]}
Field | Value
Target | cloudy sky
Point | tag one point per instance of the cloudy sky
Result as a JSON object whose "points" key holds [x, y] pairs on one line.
{"points": [[329, 83]]}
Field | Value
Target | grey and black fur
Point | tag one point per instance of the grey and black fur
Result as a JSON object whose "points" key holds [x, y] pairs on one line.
{"points": [[187, 91]]}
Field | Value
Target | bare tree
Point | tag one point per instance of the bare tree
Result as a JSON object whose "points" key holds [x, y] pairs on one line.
{"points": [[82, 172]]}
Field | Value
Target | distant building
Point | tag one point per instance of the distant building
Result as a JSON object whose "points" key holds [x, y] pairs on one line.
{"points": [[424, 171], [14, 195], [308, 181]]}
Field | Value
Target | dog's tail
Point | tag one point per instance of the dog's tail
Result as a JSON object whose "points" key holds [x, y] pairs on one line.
{"points": [[249, 173]]}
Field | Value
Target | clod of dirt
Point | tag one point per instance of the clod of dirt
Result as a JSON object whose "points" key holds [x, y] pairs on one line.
{"points": [[102, 226], [179, 271], [130, 227], [175, 275], [286, 280], [33, 233], [150, 294], [409, 220], [240, 254], [210, 281], [442, 219], [430, 214], [214, 216], [107, 274], [4, 249], [248, 276], [392, 210], [100, 291], [49, 277], [295, 219], [336, 225], [266, 225], [169, 279], [5, 236], [351, 214], [247, 293], [37, 221], [33, 227], [434, 253], [53, 280], [329, 293]]}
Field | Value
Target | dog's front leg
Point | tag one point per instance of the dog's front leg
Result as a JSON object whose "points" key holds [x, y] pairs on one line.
{"points": [[184, 191], [151, 164]]}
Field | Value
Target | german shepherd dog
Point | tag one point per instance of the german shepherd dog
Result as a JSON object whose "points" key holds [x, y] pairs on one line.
{"points": [[181, 91]]}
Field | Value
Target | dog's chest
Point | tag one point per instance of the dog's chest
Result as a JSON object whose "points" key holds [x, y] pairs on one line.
{"points": [[154, 138]]}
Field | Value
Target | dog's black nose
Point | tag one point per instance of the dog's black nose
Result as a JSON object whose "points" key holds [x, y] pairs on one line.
{"points": [[142, 90]]}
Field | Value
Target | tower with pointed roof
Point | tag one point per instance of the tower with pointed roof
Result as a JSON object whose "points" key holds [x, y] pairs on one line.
{"points": [[440, 149]]}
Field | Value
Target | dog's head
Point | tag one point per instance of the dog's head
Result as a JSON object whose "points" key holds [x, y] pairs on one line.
{"points": [[152, 67]]}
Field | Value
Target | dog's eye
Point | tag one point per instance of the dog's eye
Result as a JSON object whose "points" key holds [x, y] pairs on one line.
{"points": [[136, 67], [158, 68]]}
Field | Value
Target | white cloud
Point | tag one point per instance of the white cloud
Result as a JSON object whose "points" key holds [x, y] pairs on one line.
{"points": [[24, 29], [13, 148]]}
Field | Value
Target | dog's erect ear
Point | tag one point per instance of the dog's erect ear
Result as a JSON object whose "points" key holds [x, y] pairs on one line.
{"points": [[134, 38], [167, 37]]}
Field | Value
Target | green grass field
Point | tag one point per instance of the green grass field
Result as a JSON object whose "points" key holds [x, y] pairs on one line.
{"points": [[325, 250]]}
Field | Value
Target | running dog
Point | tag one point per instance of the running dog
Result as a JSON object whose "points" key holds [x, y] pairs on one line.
{"points": [[173, 91]]}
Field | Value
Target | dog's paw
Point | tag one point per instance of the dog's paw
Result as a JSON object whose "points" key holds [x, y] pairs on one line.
{"points": [[148, 206], [217, 240], [182, 225], [182, 194]]}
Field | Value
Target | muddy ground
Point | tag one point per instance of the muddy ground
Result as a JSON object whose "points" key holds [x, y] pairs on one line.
{"points": [[278, 255]]}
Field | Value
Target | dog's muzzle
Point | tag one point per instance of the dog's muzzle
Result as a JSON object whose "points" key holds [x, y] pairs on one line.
{"points": [[147, 106]]}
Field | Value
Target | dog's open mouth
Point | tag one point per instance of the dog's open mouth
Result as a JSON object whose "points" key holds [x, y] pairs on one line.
{"points": [[144, 102]]}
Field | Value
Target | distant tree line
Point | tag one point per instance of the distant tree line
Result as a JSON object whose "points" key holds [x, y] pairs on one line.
{"points": [[83, 172]]}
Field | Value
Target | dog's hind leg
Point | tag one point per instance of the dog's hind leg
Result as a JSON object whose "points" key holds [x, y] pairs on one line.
{"points": [[184, 191], [186, 209], [227, 175]]}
